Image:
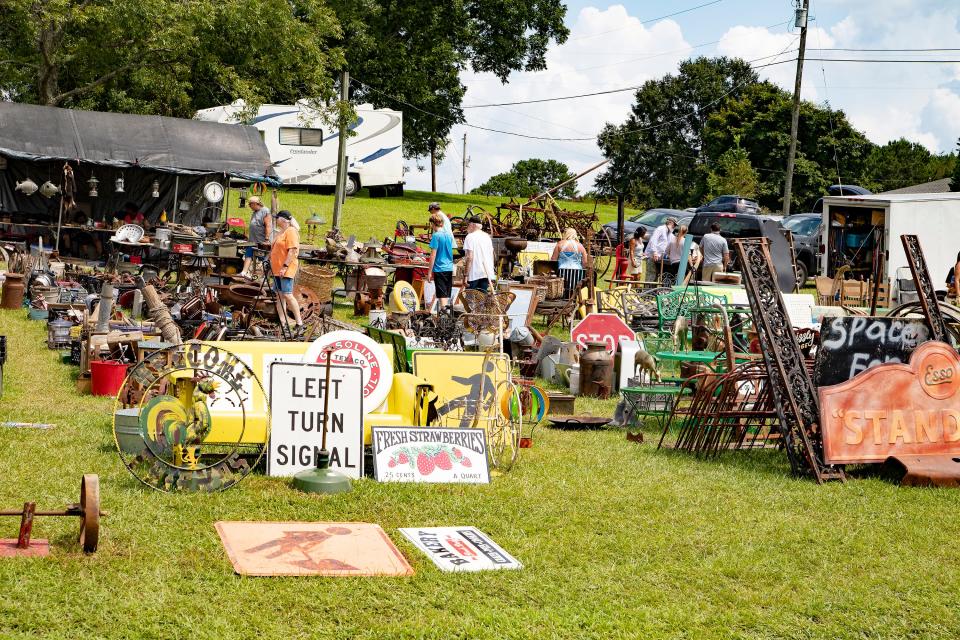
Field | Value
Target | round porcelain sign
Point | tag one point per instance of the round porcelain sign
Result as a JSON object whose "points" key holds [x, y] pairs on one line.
{"points": [[352, 347]]}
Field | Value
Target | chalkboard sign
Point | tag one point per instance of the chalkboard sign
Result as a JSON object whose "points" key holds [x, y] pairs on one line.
{"points": [[851, 344]]}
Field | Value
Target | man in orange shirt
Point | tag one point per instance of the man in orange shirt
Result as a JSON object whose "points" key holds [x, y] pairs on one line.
{"points": [[283, 263]]}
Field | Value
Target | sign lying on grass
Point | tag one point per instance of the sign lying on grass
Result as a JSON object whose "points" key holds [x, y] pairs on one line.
{"points": [[429, 454], [895, 409], [296, 431], [461, 549], [311, 549]]}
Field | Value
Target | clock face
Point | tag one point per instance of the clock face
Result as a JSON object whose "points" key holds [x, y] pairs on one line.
{"points": [[213, 192]]}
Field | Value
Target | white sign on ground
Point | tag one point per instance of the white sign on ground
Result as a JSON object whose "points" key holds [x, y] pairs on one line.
{"points": [[461, 549], [296, 418]]}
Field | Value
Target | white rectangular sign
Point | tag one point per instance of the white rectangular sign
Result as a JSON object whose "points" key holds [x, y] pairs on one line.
{"points": [[430, 454], [461, 549], [296, 418]]}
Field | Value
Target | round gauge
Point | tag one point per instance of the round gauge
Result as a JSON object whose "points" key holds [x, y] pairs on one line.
{"points": [[213, 192]]}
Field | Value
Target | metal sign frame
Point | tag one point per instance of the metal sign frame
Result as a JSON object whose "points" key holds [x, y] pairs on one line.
{"points": [[793, 390]]}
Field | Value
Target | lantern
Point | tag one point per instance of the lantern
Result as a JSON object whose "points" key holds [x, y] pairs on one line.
{"points": [[92, 183], [119, 185], [243, 197], [156, 189]]}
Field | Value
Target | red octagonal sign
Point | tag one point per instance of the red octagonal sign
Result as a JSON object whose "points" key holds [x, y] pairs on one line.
{"points": [[602, 327]]}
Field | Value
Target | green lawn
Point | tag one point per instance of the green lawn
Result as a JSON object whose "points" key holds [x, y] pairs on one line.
{"points": [[617, 539]]}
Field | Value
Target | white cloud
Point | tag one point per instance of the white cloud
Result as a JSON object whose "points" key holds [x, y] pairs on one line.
{"points": [[609, 48]]}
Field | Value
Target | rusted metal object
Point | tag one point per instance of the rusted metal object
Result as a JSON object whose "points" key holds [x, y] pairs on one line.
{"points": [[726, 412], [925, 291], [794, 395], [88, 510], [928, 471], [895, 409]]}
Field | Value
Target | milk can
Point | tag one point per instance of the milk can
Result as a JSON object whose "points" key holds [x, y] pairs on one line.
{"points": [[596, 371]]}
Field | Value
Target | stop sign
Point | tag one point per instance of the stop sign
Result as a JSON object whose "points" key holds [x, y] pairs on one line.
{"points": [[602, 327]]}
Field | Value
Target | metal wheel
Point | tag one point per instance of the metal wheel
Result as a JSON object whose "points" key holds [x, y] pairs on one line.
{"points": [[503, 431], [604, 252], [89, 512]]}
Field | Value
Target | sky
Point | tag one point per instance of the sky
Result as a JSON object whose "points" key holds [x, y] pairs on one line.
{"points": [[619, 45]]}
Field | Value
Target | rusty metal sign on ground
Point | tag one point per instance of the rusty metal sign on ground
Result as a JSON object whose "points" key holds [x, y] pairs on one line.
{"points": [[311, 549], [895, 409]]}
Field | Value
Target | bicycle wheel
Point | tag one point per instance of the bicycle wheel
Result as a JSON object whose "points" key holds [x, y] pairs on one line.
{"points": [[503, 432]]}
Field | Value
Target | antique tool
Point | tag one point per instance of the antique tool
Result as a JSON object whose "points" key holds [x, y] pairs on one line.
{"points": [[88, 510]]}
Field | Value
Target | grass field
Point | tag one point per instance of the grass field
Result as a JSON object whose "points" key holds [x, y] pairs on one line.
{"points": [[618, 540]]}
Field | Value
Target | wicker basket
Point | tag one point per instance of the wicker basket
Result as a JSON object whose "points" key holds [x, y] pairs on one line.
{"points": [[552, 286], [319, 279]]}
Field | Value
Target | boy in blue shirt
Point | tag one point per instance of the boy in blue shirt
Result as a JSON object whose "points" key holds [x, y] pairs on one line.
{"points": [[441, 260]]}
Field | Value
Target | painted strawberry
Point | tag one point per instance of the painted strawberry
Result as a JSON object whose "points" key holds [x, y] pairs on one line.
{"points": [[466, 462], [392, 463], [442, 460], [425, 464], [457, 453], [402, 458]]}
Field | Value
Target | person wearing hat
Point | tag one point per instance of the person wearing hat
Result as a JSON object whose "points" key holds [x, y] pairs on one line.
{"points": [[478, 248], [658, 245], [261, 227], [434, 207], [283, 263]]}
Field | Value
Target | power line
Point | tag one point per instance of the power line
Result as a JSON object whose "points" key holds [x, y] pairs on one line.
{"points": [[649, 20], [885, 60], [880, 50], [597, 93]]}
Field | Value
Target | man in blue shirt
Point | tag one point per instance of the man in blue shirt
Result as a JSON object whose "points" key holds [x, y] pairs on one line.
{"points": [[441, 260]]}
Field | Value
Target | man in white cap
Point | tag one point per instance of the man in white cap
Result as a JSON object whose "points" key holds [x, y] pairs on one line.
{"points": [[434, 207], [261, 226]]}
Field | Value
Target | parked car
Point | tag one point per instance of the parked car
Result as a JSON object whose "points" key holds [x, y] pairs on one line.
{"points": [[731, 204], [806, 231], [841, 190], [649, 220]]}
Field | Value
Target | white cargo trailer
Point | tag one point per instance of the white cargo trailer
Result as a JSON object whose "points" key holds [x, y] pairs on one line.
{"points": [[304, 150], [861, 228]]}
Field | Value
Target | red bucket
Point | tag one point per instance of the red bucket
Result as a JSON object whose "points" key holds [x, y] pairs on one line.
{"points": [[106, 377]]}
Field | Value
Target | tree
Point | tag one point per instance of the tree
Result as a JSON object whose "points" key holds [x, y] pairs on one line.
{"points": [[168, 57], [529, 177], [829, 149], [734, 174], [656, 155], [955, 179], [901, 163], [408, 55]]}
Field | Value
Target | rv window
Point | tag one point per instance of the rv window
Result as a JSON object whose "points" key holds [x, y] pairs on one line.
{"points": [[301, 137]]}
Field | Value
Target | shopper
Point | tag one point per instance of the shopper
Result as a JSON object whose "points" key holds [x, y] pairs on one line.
{"points": [[571, 258], [441, 260], [434, 207], [635, 255], [657, 247], [478, 248], [284, 262], [716, 253], [261, 227]]}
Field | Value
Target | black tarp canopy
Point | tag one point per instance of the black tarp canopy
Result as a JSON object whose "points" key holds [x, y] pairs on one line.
{"points": [[171, 145]]}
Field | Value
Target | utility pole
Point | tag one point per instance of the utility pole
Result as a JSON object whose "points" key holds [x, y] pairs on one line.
{"points": [[466, 161], [339, 193], [800, 21], [433, 166]]}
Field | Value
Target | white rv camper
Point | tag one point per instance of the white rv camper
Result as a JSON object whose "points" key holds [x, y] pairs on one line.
{"points": [[304, 150]]}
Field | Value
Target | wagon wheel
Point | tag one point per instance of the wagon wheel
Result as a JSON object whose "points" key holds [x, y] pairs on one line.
{"points": [[89, 512], [603, 252]]}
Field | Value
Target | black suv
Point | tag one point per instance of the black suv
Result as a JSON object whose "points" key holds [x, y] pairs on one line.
{"points": [[731, 204], [806, 228], [734, 226]]}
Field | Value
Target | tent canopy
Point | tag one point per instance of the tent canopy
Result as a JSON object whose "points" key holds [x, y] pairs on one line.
{"points": [[171, 145]]}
